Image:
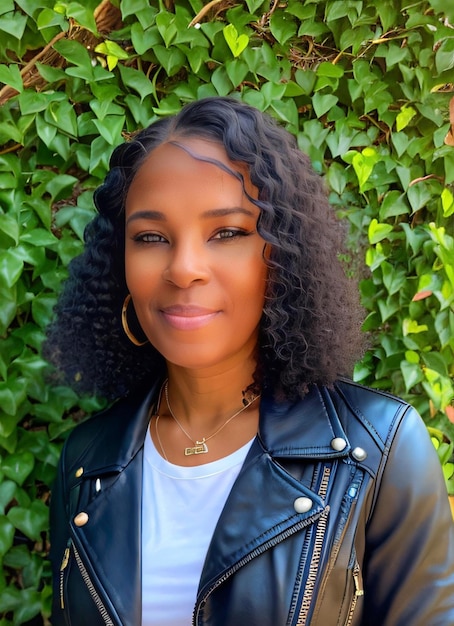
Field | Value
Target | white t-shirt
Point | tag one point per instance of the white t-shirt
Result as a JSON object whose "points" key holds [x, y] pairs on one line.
{"points": [[180, 509]]}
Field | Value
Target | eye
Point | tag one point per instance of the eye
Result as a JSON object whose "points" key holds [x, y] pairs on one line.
{"points": [[230, 233], [149, 238]]}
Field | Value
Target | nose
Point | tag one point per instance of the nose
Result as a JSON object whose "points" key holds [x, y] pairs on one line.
{"points": [[187, 264]]}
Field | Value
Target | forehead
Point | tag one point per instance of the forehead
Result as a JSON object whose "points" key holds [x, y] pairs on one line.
{"points": [[183, 158]]}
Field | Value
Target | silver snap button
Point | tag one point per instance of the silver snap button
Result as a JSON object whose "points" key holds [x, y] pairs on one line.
{"points": [[338, 444], [302, 505], [359, 454]]}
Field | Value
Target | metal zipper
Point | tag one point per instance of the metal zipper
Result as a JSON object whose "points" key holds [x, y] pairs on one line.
{"points": [[359, 591], [263, 548], [64, 564], [316, 553], [94, 594]]}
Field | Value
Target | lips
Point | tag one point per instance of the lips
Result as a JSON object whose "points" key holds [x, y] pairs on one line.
{"points": [[187, 317]]}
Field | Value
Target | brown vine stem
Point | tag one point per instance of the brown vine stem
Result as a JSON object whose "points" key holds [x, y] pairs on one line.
{"points": [[4, 90], [17, 146], [422, 178], [203, 12]]}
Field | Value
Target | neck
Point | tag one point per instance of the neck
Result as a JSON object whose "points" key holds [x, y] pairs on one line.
{"points": [[202, 400]]}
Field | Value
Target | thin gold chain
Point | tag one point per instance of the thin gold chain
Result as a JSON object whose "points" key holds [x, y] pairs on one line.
{"points": [[205, 439], [159, 438]]}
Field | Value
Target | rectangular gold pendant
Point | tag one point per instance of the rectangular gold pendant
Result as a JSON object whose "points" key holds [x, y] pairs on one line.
{"points": [[200, 448]]}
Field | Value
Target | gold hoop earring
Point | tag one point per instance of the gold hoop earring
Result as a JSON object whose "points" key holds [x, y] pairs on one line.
{"points": [[124, 323]]}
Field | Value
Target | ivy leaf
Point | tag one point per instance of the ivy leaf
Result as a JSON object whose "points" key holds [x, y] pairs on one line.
{"points": [[7, 531], [404, 117], [444, 56], [322, 103], [18, 466], [364, 163], [13, 23], [10, 75], [377, 232], [283, 26], [237, 43], [31, 521], [447, 202]]}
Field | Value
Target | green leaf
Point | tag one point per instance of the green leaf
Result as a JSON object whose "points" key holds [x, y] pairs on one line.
{"points": [[39, 237], [394, 279], [13, 23], [447, 202], [7, 492], [322, 103], [377, 232], [144, 40], [237, 43], [444, 56], [74, 52], [83, 15], [404, 117], [18, 466], [11, 266], [46, 132], [412, 374], [110, 128], [131, 7], [221, 81], [10, 75], [329, 69], [172, 59], [8, 307], [283, 26], [136, 80], [418, 196], [31, 521], [42, 309], [110, 48], [237, 70], [253, 5], [6, 535], [364, 163], [31, 102], [410, 326], [393, 204], [9, 226]]}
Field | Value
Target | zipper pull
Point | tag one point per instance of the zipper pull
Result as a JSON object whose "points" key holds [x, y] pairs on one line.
{"points": [[359, 591], [64, 564], [65, 559]]}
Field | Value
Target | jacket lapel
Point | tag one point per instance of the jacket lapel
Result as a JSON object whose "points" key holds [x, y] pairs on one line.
{"points": [[109, 544], [262, 506]]}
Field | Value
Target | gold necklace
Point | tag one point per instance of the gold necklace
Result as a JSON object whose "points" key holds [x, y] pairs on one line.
{"points": [[198, 447]]}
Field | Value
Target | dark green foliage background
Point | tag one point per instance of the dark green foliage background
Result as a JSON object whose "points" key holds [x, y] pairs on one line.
{"points": [[365, 87]]}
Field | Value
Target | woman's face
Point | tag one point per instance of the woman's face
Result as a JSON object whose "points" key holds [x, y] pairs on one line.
{"points": [[193, 257]]}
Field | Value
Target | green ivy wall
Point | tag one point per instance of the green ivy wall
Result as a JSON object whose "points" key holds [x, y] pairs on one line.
{"points": [[366, 88]]}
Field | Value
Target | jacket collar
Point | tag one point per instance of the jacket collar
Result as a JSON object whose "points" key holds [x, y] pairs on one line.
{"points": [[302, 429], [307, 428]]}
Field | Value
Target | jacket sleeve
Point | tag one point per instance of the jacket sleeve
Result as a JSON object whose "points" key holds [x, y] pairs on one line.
{"points": [[409, 561]]}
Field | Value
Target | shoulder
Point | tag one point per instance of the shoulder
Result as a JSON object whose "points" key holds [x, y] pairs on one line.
{"points": [[380, 413], [111, 437]]}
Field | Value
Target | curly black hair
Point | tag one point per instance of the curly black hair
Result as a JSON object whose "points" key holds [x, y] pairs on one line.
{"points": [[310, 331]]}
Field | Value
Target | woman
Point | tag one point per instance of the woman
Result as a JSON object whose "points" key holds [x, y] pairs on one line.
{"points": [[237, 480]]}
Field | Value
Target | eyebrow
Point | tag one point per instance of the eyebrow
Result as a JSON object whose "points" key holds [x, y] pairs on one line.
{"points": [[160, 217]]}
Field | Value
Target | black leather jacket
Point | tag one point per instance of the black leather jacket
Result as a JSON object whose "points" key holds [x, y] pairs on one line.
{"points": [[339, 516]]}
